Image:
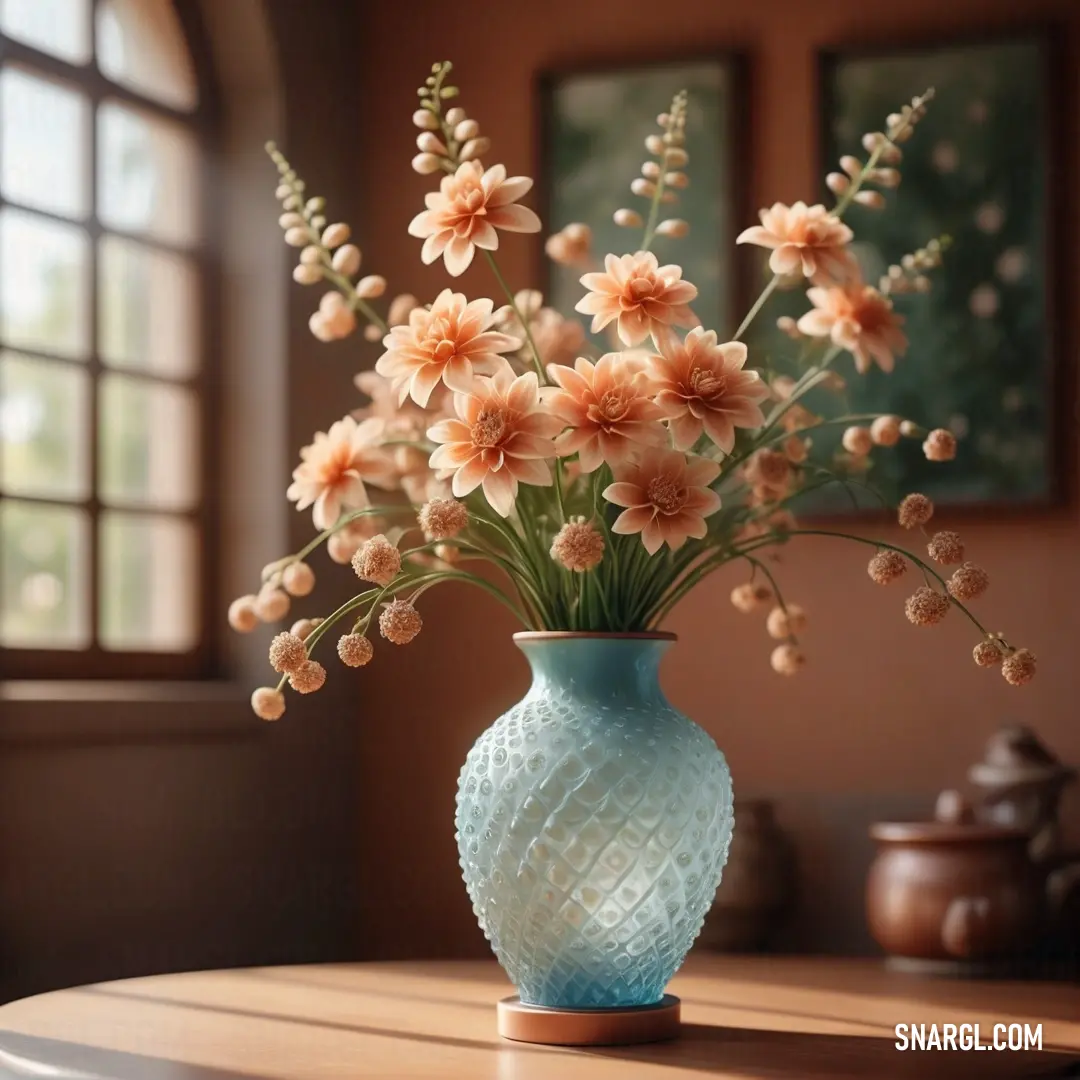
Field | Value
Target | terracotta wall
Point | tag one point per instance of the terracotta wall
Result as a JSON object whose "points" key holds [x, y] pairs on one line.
{"points": [[885, 715]]}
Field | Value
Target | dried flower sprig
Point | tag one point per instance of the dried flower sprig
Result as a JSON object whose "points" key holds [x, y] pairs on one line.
{"points": [[598, 489]]}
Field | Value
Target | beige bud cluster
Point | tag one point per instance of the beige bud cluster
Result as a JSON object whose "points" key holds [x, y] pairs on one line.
{"points": [[663, 176], [910, 274], [446, 139]]}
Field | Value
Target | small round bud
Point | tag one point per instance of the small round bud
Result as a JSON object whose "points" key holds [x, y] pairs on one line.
{"points": [[311, 255], [282, 191], [1019, 667], [946, 548], [676, 157], [872, 200], [969, 582], [291, 221], [837, 183], [306, 274], [442, 519], [677, 179], [400, 622], [986, 654], [425, 164], [243, 617], [645, 188], [302, 628], [885, 431], [750, 596], [370, 287], [466, 130], [650, 170], [377, 561], [785, 622], [909, 429], [628, 219], [355, 650], [426, 119], [675, 227], [940, 445], [298, 579], [271, 604], [578, 546], [308, 677], [851, 165], [455, 116], [287, 652], [926, 607], [873, 140], [296, 236], [475, 148], [335, 235], [857, 441], [346, 259], [655, 145], [886, 566], [268, 703], [429, 143], [914, 510], [787, 659]]}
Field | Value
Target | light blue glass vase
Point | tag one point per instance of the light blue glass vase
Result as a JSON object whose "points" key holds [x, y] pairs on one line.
{"points": [[593, 824]]}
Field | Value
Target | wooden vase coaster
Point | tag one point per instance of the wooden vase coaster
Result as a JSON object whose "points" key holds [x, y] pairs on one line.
{"points": [[589, 1027]]}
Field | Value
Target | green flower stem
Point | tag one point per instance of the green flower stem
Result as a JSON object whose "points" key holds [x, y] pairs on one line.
{"points": [[537, 362], [757, 564], [759, 303], [342, 283], [654, 211]]}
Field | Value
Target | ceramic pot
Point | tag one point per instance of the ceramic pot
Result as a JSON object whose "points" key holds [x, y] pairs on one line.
{"points": [[952, 895], [758, 885], [593, 823]]}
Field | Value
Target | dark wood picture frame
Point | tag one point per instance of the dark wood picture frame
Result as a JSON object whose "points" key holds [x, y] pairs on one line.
{"points": [[1057, 211]]}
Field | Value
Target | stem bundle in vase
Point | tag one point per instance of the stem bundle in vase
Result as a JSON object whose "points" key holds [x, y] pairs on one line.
{"points": [[601, 471]]}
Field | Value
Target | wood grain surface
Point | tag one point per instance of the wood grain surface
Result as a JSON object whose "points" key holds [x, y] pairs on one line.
{"points": [[775, 1018]]}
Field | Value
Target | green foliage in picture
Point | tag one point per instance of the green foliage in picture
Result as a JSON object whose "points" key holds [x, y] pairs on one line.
{"points": [[979, 360], [596, 127]]}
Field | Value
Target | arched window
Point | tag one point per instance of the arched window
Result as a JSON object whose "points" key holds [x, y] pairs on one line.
{"points": [[103, 429]]}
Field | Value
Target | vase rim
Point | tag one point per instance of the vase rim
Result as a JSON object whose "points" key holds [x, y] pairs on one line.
{"points": [[601, 635]]}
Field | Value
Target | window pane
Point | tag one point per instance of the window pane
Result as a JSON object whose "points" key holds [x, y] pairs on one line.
{"points": [[43, 433], [149, 309], [43, 143], [149, 583], [147, 174], [44, 287], [148, 441], [141, 46], [60, 27], [43, 580]]}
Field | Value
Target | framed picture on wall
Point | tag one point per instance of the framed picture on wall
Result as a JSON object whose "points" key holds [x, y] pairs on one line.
{"points": [[978, 171], [594, 124]]}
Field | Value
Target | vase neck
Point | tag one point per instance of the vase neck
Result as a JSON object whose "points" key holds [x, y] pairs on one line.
{"points": [[597, 668]]}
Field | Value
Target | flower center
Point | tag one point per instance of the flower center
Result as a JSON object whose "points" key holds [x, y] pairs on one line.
{"points": [[706, 384], [666, 495], [444, 351], [611, 408], [489, 429], [639, 288]]}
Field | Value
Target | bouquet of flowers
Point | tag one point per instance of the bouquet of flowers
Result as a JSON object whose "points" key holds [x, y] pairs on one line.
{"points": [[598, 476]]}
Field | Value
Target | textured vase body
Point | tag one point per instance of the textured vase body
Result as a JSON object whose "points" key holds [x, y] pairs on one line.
{"points": [[593, 824]]}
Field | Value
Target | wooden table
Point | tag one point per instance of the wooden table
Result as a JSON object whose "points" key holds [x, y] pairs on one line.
{"points": [[776, 1018]]}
